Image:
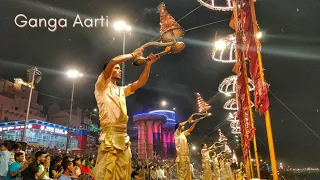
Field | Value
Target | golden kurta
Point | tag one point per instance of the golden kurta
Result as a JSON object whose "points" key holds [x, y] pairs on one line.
{"points": [[206, 166], [183, 161], [114, 154]]}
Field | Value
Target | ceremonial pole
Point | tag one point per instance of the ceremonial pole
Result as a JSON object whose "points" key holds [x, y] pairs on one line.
{"points": [[235, 12], [249, 102], [252, 123], [267, 113]]}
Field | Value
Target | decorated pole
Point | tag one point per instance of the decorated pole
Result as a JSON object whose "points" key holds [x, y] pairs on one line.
{"points": [[247, 115], [250, 117], [266, 113], [249, 46]]}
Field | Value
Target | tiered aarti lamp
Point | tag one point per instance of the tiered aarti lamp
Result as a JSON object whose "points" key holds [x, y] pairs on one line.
{"points": [[222, 137], [202, 105], [171, 32]]}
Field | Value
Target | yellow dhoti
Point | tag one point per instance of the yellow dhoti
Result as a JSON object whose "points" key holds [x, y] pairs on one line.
{"points": [[114, 155], [207, 173], [183, 168]]}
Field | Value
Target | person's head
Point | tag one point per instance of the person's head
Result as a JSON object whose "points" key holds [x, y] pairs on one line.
{"points": [[18, 157], [17, 147], [29, 159], [204, 146], [66, 158], [77, 161], [179, 127], [57, 161], [48, 158], [116, 71], [68, 166], [40, 156], [135, 175], [91, 161], [84, 176], [4, 146]]}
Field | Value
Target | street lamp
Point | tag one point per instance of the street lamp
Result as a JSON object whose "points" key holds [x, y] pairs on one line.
{"points": [[74, 75], [91, 113], [164, 103], [32, 72], [122, 27]]}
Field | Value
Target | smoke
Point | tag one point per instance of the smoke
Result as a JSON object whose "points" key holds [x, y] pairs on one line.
{"points": [[147, 11]]}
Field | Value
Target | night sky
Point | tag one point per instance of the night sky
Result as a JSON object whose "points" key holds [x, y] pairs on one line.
{"points": [[290, 56]]}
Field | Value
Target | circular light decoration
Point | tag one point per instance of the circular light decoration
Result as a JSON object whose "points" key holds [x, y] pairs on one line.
{"points": [[235, 127], [232, 104], [232, 116], [235, 131], [217, 5], [223, 49], [234, 124], [229, 85]]}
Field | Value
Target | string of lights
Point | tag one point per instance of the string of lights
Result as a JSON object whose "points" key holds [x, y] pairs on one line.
{"points": [[314, 133]]}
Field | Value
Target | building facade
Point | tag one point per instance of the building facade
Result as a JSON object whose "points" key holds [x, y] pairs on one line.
{"points": [[79, 118], [45, 134], [14, 97], [155, 134]]}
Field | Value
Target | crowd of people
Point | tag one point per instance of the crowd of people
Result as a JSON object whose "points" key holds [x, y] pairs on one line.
{"points": [[159, 169], [45, 163], [50, 163]]}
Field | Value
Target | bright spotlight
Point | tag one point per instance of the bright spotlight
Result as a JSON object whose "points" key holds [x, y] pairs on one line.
{"points": [[74, 74], [174, 108], [220, 45], [164, 103], [194, 147], [227, 94], [120, 25], [259, 35], [128, 28]]}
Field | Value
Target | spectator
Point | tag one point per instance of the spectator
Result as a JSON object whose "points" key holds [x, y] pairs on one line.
{"points": [[169, 174], [56, 169], [68, 169], [16, 148], [42, 167], [17, 167], [85, 168], [90, 163], [4, 160], [31, 172], [77, 166], [135, 175]]}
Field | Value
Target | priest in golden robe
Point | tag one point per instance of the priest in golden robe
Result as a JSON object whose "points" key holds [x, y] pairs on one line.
{"points": [[206, 165], [114, 154], [182, 148]]}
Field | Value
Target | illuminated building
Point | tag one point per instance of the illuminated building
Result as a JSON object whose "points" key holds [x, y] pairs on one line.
{"points": [[14, 101], [155, 133], [45, 134]]}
